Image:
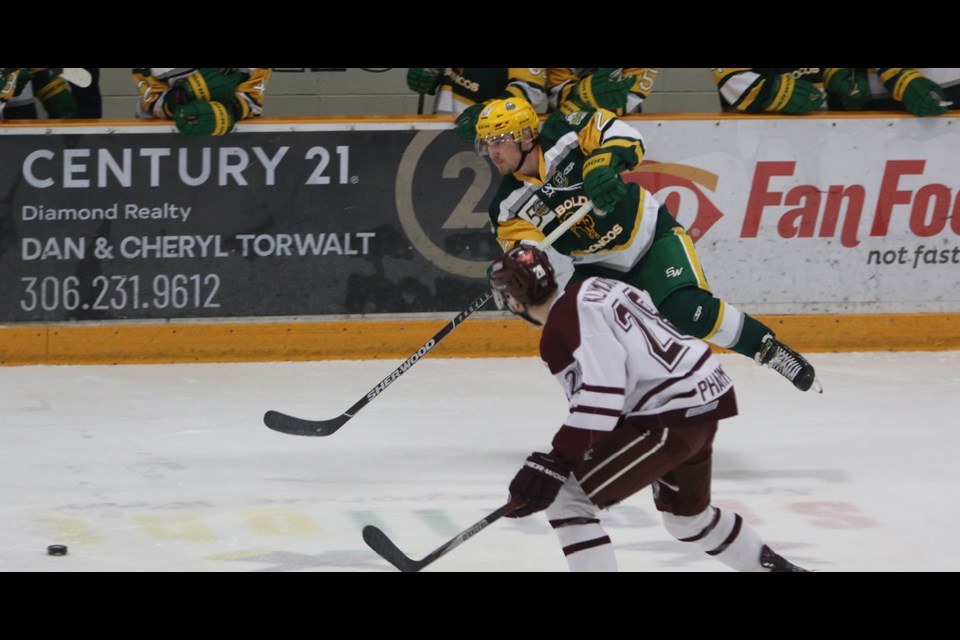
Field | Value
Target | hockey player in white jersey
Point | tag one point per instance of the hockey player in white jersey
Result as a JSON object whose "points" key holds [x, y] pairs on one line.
{"points": [[645, 401]]}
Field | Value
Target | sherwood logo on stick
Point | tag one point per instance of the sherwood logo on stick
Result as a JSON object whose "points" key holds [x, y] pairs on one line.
{"points": [[399, 371]]}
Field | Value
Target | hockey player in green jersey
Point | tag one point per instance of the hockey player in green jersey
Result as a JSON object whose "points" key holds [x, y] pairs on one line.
{"points": [[922, 92], [621, 90], [801, 90], [466, 90], [549, 173], [783, 91]]}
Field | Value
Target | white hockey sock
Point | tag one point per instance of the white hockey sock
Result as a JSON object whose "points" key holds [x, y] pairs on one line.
{"points": [[721, 534], [585, 544]]}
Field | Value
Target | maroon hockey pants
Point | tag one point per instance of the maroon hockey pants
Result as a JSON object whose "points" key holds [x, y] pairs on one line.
{"points": [[676, 460]]}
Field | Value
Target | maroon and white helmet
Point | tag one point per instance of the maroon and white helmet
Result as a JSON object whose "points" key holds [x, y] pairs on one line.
{"points": [[525, 274]]}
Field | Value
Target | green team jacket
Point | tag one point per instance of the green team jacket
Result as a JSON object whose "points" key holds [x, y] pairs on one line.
{"points": [[527, 209]]}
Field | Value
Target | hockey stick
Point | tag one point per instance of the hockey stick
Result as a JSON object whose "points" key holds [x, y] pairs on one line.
{"points": [[431, 91], [74, 75], [386, 549], [301, 427]]}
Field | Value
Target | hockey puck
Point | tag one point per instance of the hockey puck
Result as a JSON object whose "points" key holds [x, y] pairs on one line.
{"points": [[57, 550]]}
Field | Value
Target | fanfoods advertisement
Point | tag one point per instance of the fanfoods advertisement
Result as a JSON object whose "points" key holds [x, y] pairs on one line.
{"points": [[801, 215]]}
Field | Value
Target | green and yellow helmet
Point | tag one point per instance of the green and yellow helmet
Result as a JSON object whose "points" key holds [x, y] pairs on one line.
{"points": [[504, 120]]}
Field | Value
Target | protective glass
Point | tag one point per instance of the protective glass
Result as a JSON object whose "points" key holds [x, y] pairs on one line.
{"points": [[483, 145]]}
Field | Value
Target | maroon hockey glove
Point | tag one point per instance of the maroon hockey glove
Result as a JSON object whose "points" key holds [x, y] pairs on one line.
{"points": [[539, 481]]}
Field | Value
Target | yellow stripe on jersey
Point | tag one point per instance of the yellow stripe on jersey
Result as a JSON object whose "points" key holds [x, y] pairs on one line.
{"points": [[252, 92], [721, 312], [513, 231], [739, 86], [535, 76], [591, 137], [645, 78], [751, 97], [150, 90], [625, 143], [515, 91], [723, 73], [255, 87], [687, 243], [559, 75]]}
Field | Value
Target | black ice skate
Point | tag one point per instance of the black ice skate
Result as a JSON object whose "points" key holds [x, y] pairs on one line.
{"points": [[788, 363], [770, 559]]}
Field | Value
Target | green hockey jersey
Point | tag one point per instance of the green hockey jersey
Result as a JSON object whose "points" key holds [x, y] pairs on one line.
{"points": [[526, 209]]}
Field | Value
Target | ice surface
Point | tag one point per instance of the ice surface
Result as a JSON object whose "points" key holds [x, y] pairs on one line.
{"points": [[169, 468]]}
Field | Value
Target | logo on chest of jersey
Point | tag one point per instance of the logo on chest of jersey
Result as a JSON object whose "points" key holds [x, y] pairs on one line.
{"points": [[591, 232], [804, 71], [570, 204], [560, 178], [538, 213], [459, 80], [560, 181]]}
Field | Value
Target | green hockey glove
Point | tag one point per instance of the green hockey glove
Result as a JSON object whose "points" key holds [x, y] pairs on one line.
{"points": [[54, 92], [601, 180], [424, 80], [211, 85], [920, 95], [26, 75], [8, 85], [848, 85], [794, 96], [200, 118], [466, 122], [605, 88]]}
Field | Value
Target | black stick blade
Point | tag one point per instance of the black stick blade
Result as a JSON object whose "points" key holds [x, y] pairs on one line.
{"points": [[379, 542], [299, 427]]}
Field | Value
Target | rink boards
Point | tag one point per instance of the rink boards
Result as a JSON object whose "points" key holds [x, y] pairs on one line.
{"points": [[301, 239], [93, 343]]}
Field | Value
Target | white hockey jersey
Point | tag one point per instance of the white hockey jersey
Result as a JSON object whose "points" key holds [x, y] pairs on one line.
{"points": [[619, 360]]}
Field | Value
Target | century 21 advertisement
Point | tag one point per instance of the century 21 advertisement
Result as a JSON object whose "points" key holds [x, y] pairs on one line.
{"points": [[809, 215]]}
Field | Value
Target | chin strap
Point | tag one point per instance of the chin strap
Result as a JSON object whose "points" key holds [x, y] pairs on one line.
{"points": [[524, 154], [526, 316]]}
